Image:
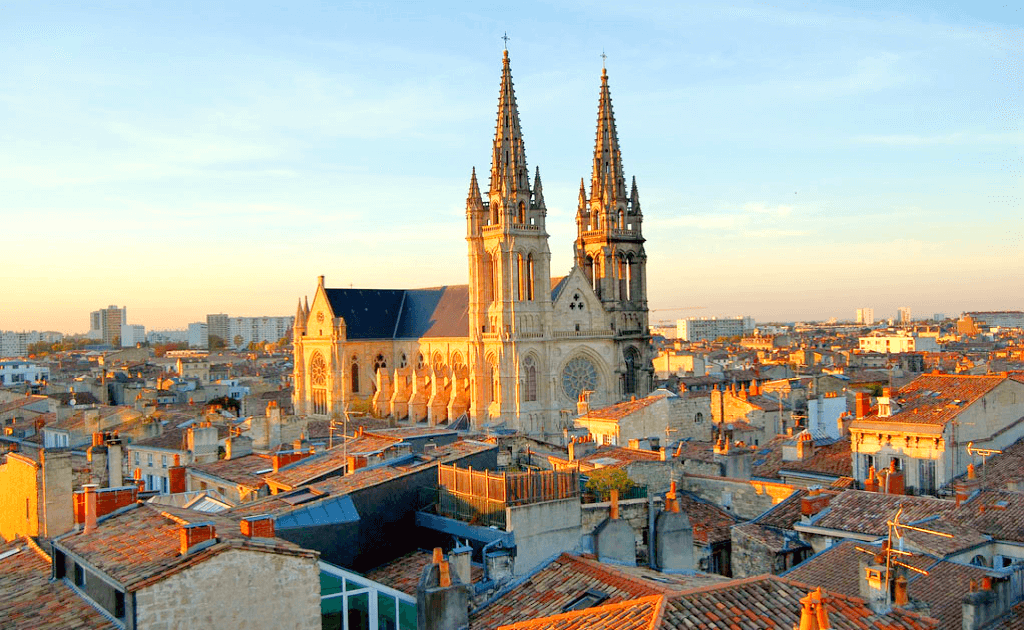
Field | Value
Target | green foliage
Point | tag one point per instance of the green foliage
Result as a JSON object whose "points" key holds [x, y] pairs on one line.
{"points": [[161, 349], [43, 348], [227, 402], [603, 480], [216, 343]]}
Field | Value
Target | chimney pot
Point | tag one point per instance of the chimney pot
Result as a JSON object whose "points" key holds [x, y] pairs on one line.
{"points": [[90, 507], [614, 509]]}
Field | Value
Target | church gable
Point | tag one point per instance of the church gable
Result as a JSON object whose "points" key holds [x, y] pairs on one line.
{"points": [[321, 314], [576, 306]]}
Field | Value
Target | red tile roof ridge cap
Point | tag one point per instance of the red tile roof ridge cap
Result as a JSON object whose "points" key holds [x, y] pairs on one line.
{"points": [[172, 517], [36, 548], [594, 563], [546, 622]]}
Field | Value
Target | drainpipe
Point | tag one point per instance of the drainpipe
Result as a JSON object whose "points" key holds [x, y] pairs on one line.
{"points": [[651, 533]]}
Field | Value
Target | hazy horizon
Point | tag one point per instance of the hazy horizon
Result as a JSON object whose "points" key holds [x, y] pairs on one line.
{"points": [[794, 162]]}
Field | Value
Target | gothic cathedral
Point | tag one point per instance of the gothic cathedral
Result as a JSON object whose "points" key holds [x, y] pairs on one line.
{"points": [[516, 347]]}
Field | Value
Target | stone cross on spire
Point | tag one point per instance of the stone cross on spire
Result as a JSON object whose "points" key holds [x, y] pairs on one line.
{"points": [[608, 183], [510, 179]]}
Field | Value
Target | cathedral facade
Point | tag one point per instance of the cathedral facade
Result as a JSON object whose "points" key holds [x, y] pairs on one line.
{"points": [[515, 347]]}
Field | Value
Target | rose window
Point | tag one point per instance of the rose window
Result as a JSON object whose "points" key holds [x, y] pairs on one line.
{"points": [[318, 370], [579, 375]]}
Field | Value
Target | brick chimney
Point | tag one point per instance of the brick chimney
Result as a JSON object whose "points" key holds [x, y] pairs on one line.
{"points": [[871, 482], [260, 526], [281, 459], [862, 405], [192, 534], [581, 447], [894, 482], [176, 476], [814, 502]]}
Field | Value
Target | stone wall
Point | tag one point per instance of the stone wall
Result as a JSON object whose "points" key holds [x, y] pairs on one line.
{"points": [[543, 529], [633, 511], [657, 476], [750, 556], [745, 499], [238, 588]]}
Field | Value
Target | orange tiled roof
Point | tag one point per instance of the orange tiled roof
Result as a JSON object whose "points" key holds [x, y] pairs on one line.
{"points": [[769, 602], [634, 614], [335, 459], [28, 600], [141, 546], [832, 459], [609, 456], [937, 398], [998, 513], [240, 471], [621, 410], [403, 573], [711, 524], [837, 569], [558, 583], [862, 512]]}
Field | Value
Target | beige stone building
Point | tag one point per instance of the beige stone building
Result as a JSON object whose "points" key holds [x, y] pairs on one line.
{"points": [[515, 346]]}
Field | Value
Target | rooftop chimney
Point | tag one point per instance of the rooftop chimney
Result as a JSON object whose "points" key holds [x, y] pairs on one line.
{"points": [[191, 534], [613, 510], [176, 476], [813, 615], [90, 507], [442, 599], [259, 526], [862, 404]]}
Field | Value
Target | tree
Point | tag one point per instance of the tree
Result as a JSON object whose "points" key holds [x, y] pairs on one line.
{"points": [[216, 343], [226, 402], [603, 480]]}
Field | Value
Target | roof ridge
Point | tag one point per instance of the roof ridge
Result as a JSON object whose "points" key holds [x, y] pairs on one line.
{"points": [[657, 600], [34, 546]]}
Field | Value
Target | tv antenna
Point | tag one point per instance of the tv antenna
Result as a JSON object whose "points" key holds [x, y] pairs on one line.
{"points": [[896, 528], [985, 454]]}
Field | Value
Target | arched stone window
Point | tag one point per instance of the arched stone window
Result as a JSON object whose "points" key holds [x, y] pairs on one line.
{"points": [[623, 280], [588, 269], [318, 382], [403, 362], [698, 418], [355, 375], [438, 364], [379, 363], [520, 278], [522, 213], [630, 378], [487, 279], [420, 362], [529, 277], [529, 379]]}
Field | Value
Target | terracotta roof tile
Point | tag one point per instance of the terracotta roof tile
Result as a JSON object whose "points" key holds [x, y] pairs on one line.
{"points": [[621, 410], [240, 471], [403, 573], [142, 545], [769, 602], [862, 512], [831, 459], [711, 524], [838, 569], [28, 600], [998, 513], [937, 398], [328, 462], [608, 456], [635, 614], [563, 580]]}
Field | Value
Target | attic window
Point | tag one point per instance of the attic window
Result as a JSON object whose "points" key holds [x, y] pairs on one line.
{"points": [[588, 599]]}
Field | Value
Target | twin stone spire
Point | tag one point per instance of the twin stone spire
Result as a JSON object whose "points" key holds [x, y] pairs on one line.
{"points": [[510, 198]]}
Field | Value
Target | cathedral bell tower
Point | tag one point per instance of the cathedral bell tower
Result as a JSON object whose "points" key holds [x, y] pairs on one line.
{"points": [[509, 259], [610, 251]]}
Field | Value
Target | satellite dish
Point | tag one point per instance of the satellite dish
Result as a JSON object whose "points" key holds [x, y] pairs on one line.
{"points": [[72, 402]]}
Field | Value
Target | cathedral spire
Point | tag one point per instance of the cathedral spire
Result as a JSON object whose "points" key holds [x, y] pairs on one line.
{"points": [[634, 198], [474, 202], [300, 317], [538, 194], [608, 183], [510, 179]]}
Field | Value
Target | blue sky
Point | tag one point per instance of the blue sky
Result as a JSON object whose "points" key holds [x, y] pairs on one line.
{"points": [[795, 160]]}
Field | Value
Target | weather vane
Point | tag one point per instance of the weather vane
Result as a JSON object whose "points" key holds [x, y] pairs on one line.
{"points": [[506, 38]]}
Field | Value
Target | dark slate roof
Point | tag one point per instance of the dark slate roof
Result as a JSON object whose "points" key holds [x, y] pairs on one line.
{"points": [[402, 313]]}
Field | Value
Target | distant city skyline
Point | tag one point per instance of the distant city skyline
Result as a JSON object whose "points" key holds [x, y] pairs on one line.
{"points": [[795, 162]]}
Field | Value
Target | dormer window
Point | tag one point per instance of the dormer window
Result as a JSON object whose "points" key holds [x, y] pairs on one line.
{"points": [[587, 599]]}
